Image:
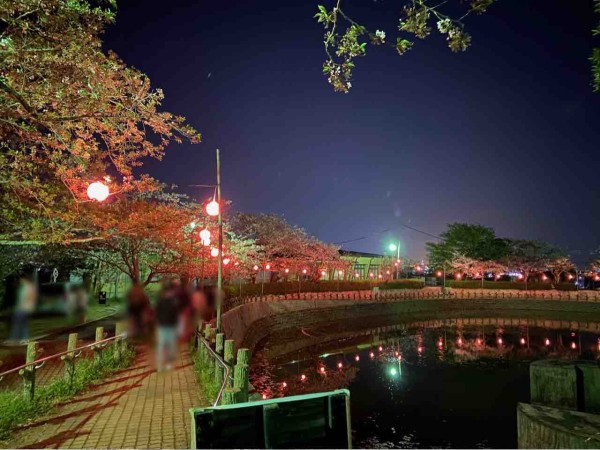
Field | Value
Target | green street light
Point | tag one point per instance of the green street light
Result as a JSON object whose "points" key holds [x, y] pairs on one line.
{"points": [[393, 247]]}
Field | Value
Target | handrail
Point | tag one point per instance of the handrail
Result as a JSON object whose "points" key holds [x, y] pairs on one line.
{"points": [[66, 352], [221, 362]]}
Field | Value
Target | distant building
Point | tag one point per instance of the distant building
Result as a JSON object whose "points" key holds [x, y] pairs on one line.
{"points": [[369, 265]]}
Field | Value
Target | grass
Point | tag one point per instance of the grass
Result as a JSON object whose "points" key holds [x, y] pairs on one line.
{"points": [[16, 408], [206, 379]]}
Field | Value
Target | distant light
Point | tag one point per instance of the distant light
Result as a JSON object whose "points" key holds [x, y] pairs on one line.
{"points": [[393, 371], [396, 264], [192, 225], [302, 377], [371, 274], [393, 247], [340, 365], [544, 277], [573, 345], [204, 234], [226, 261], [372, 355], [323, 273], [380, 276], [287, 270], [255, 267], [478, 341], [419, 349], [522, 341], [264, 396], [387, 272], [397, 353], [322, 369], [268, 267], [357, 274], [284, 385], [439, 273], [458, 276], [399, 357], [520, 276], [499, 340], [547, 342], [214, 252], [570, 277], [357, 358], [212, 208], [597, 278], [418, 268], [440, 343], [98, 191], [380, 348], [304, 271], [340, 272], [459, 341]]}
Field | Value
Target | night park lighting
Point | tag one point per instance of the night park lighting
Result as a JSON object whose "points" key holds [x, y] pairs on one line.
{"points": [[98, 191]]}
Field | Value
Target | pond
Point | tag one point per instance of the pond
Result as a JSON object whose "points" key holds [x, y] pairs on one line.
{"points": [[428, 384]]}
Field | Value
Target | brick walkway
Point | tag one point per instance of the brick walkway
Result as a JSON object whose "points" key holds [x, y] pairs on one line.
{"points": [[136, 408]]}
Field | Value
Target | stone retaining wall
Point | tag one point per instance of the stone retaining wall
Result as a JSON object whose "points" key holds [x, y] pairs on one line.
{"points": [[251, 322], [545, 427]]}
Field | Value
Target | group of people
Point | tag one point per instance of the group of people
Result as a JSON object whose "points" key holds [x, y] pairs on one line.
{"points": [[175, 313]]}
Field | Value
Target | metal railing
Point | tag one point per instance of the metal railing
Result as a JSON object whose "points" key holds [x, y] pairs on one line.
{"points": [[28, 370], [38, 363], [220, 361]]}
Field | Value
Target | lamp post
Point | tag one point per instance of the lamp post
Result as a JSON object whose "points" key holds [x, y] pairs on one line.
{"points": [[214, 208], [396, 248], [219, 296]]}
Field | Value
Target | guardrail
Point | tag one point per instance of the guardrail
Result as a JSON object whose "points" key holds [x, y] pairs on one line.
{"points": [[217, 364], [426, 293], [32, 364]]}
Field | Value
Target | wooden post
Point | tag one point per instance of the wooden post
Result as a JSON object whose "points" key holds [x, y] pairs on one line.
{"points": [[69, 358], [230, 395], [220, 338], [98, 347], [240, 374], [28, 373], [229, 357], [120, 328]]}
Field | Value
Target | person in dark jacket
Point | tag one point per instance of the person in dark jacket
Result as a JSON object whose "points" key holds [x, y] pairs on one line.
{"points": [[167, 317]]}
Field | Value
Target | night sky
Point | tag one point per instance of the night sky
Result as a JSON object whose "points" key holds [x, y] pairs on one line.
{"points": [[505, 134]]}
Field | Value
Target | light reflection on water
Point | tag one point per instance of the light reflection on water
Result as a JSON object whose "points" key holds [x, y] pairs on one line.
{"points": [[425, 386]]}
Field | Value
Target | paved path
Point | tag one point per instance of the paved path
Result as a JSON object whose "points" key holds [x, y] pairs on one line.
{"points": [[136, 408]]}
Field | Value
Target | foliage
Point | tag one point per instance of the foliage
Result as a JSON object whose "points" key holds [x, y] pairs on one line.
{"points": [[285, 246], [17, 408], [206, 379], [292, 287], [71, 114], [475, 242], [417, 21], [475, 284]]}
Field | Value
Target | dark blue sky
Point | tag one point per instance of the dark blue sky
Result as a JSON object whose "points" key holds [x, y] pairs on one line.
{"points": [[505, 134]]}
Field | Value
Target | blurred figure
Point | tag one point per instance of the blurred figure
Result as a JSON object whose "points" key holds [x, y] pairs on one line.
{"points": [[139, 310], [167, 321], [199, 303], [184, 308], [77, 303], [26, 303]]}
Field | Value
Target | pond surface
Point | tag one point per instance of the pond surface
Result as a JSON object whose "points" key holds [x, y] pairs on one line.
{"points": [[444, 383]]}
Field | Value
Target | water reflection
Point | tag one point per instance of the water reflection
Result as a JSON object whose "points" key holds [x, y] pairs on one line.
{"points": [[424, 384]]}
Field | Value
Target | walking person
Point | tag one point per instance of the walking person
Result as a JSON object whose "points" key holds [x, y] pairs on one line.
{"points": [[167, 319], [26, 303]]}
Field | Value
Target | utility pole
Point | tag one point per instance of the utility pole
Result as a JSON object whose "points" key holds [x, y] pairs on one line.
{"points": [[219, 296]]}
